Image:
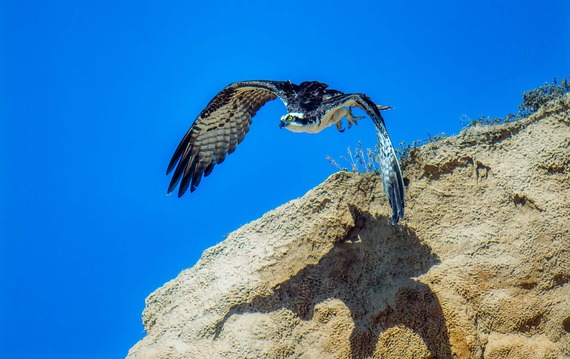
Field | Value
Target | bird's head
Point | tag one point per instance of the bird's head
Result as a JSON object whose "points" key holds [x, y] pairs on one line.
{"points": [[293, 121]]}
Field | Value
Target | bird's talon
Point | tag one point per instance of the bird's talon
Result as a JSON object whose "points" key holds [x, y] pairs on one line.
{"points": [[351, 118], [339, 126]]}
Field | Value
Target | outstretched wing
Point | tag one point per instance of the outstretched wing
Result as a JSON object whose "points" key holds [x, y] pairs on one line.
{"points": [[219, 128], [390, 171]]}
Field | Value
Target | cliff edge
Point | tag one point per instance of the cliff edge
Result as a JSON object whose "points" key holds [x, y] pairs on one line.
{"points": [[480, 267]]}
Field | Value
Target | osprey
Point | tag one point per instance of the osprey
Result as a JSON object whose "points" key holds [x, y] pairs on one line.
{"points": [[311, 107]]}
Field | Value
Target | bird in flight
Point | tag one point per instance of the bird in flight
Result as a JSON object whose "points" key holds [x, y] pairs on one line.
{"points": [[311, 107]]}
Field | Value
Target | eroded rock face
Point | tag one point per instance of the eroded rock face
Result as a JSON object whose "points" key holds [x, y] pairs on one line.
{"points": [[479, 268]]}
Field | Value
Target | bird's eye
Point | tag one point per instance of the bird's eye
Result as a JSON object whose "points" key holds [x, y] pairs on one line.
{"points": [[289, 118]]}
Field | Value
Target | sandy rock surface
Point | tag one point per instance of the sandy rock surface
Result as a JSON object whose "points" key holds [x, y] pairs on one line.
{"points": [[480, 267]]}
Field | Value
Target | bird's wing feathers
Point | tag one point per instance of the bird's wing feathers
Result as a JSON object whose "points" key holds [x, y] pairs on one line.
{"points": [[217, 131], [222, 125], [391, 173]]}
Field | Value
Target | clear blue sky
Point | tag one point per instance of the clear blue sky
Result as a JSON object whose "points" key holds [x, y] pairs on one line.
{"points": [[95, 96]]}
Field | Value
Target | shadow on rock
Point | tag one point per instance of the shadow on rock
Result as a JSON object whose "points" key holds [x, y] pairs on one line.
{"points": [[371, 273]]}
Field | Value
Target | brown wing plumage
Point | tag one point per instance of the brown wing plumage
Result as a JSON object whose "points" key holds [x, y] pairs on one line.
{"points": [[217, 131]]}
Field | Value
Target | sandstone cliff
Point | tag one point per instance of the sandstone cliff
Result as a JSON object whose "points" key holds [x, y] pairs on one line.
{"points": [[480, 267]]}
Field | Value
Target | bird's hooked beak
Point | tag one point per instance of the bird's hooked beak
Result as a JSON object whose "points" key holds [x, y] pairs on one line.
{"points": [[292, 117], [285, 120]]}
